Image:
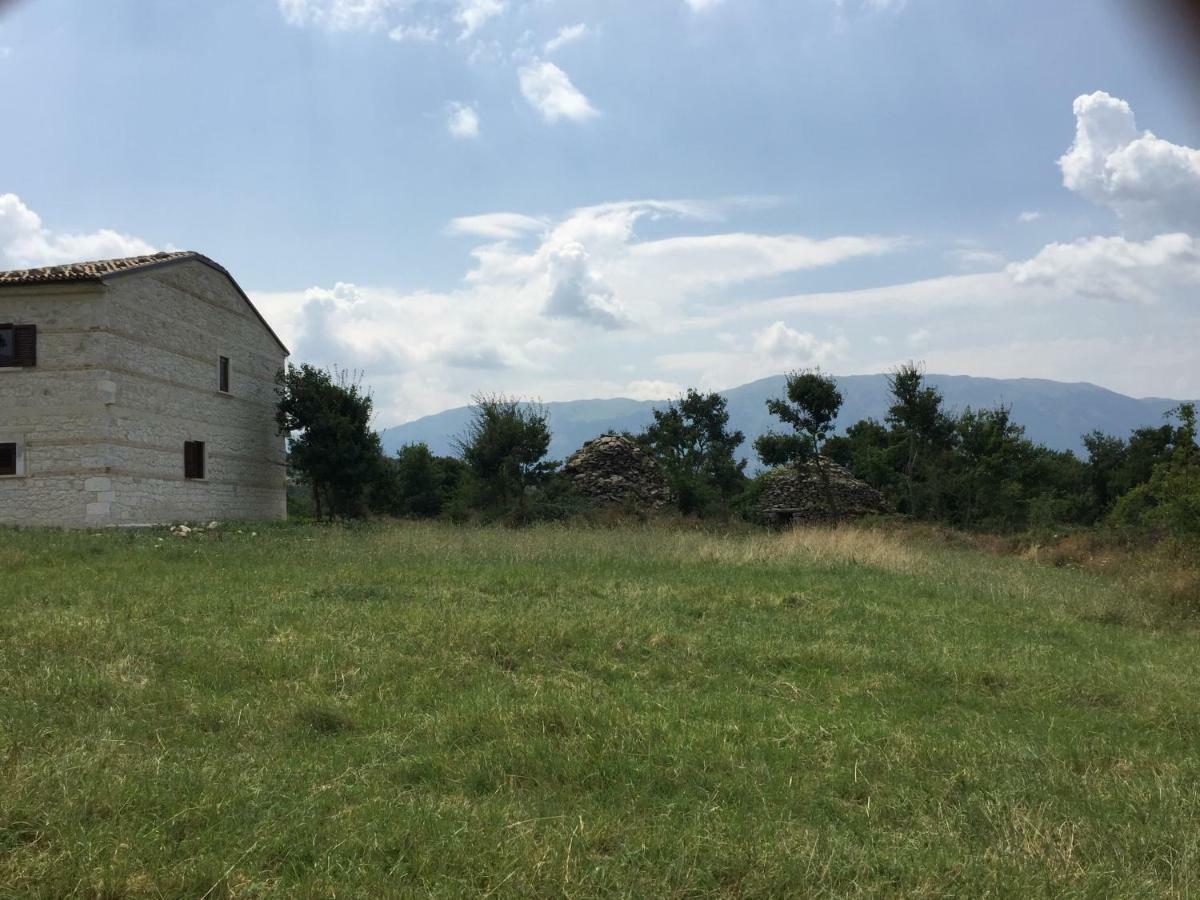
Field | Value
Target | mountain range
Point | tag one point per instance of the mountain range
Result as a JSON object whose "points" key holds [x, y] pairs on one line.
{"points": [[1053, 413]]}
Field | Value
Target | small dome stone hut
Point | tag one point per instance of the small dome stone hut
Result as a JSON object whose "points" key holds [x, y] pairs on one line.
{"points": [[798, 494], [613, 469]]}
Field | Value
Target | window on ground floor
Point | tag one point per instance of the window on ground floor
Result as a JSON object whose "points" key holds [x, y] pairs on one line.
{"points": [[9, 459], [193, 459]]}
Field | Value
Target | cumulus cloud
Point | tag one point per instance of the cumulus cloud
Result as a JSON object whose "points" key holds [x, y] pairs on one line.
{"points": [[549, 90], [1029, 216], [462, 121], [25, 242], [568, 34], [787, 348], [703, 5], [578, 292], [1114, 268], [1151, 184], [652, 389]]}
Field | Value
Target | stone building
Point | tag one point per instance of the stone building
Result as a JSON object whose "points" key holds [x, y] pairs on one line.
{"points": [[612, 469], [136, 391], [799, 494]]}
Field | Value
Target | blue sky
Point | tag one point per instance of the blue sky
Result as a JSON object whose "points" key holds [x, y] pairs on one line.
{"points": [[576, 198]]}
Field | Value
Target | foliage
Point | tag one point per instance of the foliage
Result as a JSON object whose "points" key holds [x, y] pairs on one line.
{"points": [[1170, 499], [419, 484], [810, 406], [504, 448], [331, 445], [692, 441]]}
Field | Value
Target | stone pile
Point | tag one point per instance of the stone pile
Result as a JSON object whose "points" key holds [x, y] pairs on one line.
{"points": [[798, 494], [613, 469]]}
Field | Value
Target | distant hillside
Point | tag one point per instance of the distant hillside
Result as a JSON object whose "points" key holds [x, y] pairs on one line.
{"points": [[1053, 413]]}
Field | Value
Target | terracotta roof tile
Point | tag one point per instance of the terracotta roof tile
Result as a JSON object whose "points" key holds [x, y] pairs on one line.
{"points": [[88, 271], [99, 270]]}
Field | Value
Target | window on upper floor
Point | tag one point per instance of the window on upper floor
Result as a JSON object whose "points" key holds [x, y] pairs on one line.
{"points": [[193, 459], [223, 374], [18, 346]]}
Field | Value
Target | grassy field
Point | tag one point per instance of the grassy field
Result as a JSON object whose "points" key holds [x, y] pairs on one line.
{"points": [[426, 710]]}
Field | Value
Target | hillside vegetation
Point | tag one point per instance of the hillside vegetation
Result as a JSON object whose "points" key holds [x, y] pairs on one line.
{"points": [[429, 710]]}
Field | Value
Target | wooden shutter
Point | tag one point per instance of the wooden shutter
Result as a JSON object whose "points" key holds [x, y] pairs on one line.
{"points": [[25, 345]]}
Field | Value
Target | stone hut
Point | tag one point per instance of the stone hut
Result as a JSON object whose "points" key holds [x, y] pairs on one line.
{"points": [[613, 469], [798, 494]]}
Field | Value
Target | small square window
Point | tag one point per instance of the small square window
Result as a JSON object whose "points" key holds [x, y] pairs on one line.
{"points": [[18, 346], [193, 459], [8, 459], [223, 374]]}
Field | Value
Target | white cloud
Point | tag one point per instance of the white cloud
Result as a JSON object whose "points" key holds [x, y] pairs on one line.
{"points": [[337, 15], [549, 90], [473, 14], [417, 33], [1113, 268], [6, 52], [1152, 185], [554, 308], [25, 242], [462, 121], [919, 338], [577, 291], [496, 226], [703, 5], [653, 389], [787, 348], [1029, 216], [568, 34]]}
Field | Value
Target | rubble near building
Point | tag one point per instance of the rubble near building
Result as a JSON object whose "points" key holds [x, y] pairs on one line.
{"points": [[613, 469], [799, 494]]}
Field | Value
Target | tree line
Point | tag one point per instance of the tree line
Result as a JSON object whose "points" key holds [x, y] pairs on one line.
{"points": [[973, 469]]}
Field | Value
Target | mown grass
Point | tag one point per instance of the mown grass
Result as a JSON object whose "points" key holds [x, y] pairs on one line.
{"points": [[427, 710]]}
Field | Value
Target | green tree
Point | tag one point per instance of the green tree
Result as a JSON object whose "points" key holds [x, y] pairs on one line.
{"points": [[692, 441], [1170, 500], [922, 434], [331, 445], [420, 484], [810, 405], [504, 448]]}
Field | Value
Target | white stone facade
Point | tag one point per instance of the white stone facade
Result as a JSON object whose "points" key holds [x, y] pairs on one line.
{"points": [[127, 371]]}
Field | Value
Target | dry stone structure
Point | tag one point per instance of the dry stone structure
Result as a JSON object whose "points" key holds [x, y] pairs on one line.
{"points": [[798, 494], [613, 469]]}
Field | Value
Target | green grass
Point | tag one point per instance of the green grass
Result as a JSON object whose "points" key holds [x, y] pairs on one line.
{"points": [[427, 710]]}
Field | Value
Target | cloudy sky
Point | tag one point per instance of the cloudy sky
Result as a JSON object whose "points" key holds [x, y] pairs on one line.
{"points": [[588, 198]]}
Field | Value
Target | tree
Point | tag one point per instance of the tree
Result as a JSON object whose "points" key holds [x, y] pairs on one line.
{"points": [[503, 448], [419, 484], [922, 434], [810, 405], [1170, 500], [692, 441], [332, 448]]}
